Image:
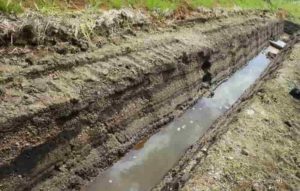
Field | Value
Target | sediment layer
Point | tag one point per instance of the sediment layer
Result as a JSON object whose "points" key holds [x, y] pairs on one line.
{"points": [[260, 150], [244, 150], [67, 117]]}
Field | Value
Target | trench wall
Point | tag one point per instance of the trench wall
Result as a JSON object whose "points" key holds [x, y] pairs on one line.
{"points": [[100, 104]]}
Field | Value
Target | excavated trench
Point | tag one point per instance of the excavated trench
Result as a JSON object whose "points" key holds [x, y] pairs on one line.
{"points": [[143, 168], [147, 164], [75, 116]]}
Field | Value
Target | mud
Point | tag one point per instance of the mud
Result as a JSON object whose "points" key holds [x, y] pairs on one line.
{"points": [[67, 117]]}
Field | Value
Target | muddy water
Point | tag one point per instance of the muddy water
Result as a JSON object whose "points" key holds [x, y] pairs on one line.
{"points": [[142, 168]]}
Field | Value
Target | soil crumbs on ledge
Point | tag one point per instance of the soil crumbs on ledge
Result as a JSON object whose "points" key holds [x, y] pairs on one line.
{"points": [[261, 149]]}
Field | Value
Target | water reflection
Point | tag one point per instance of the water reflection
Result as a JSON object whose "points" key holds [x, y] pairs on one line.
{"points": [[142, 169]]}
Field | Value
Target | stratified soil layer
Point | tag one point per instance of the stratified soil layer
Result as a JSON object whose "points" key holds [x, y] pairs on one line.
{"points": [[255, 145], [66, 117], [260, 150]]}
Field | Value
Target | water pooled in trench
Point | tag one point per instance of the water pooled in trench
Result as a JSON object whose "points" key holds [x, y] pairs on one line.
{"points": [[142, 168]]}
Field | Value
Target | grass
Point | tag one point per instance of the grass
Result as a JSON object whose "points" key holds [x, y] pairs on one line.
{"points": [[48, 6], [292, 7], [148, 4], [10, 6]]}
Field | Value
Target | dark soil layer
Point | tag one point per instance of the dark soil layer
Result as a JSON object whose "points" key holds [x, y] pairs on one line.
{"points": [[65, 118]]}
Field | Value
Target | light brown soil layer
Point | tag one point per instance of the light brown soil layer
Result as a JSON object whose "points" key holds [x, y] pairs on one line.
{"points": [[64, 118], [260, 150]]}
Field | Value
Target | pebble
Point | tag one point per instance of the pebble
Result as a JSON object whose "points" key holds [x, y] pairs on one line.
{"points": [[105, 71], [204, 150], [245, 152], [110, 181], [178, 129], [191, 122], [183, 126], [257, 187]]}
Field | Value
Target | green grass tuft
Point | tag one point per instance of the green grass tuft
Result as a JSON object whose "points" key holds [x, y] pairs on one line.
{"points": [[10, 6], [47, 6]]}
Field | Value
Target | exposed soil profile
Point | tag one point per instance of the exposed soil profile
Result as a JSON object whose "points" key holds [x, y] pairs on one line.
{"points": [[260, 150], [73, 104], [255, 146]]}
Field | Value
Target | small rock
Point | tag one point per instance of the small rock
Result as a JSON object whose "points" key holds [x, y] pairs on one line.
{"points": [[204, 150], [105, 71], [257, 187], [295, 93], [62, 168], [245, 152]]}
